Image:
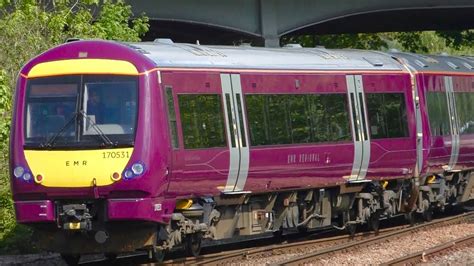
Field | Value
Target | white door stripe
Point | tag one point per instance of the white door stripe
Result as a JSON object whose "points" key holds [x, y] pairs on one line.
{"points": [[355, 92], [236, 127]]}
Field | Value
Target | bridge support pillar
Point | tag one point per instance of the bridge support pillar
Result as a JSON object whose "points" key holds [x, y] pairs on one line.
{"points": [[268, 23]]}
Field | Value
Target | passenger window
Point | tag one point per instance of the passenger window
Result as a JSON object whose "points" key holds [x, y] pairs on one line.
{"points": [[278, 115], [257, 115], [387, 115], [330, 117], [172, 117], [202, 121], [286, 119], [465, 111], [300, 121], [438, 113]]}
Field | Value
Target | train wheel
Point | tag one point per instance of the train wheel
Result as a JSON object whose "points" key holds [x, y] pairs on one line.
{"points": [[411, 218], [193, 244], [157, 255], [374, 222], [348, 217], [351, 229], [278, 234], [428, 214], [71, 259]]}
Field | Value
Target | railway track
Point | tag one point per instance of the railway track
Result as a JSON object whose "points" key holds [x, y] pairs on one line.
{"points": [[276, 249], [319, 247], [357, 244], [425, 255], [313, 249]]}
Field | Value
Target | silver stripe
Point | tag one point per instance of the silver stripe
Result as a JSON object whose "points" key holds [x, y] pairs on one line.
{"points": [[244, 151], [233, 151], [366, 140], [419, 128], [357, 144], [448, 81]]}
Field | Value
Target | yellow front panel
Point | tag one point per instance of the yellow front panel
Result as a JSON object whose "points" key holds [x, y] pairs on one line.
{"points": [[77, 168], [83, 66]]}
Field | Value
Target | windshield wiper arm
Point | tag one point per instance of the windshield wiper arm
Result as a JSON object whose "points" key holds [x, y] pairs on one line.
{"points": [[50, 142], [104, 137]]}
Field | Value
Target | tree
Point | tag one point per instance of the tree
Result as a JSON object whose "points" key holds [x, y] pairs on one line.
{"points": [[27, 28], [452, 42], [356, 41]]}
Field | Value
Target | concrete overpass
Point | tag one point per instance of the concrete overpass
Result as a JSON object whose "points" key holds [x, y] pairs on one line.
{"points": [[263, 22]]}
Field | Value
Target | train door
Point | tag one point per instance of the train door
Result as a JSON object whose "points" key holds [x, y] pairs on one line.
{"points": [[463, 87], [392, 125], [361, 138], [453, 122], [236, 128], [199, 149]]}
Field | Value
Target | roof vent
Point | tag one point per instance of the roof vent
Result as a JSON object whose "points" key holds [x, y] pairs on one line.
{"points": [[245, 44], [293, 45], [444, 54], [393, 50], [452, 65], [374, 61], [201, 50], [163, 41], [421, 64], [468, 66]]}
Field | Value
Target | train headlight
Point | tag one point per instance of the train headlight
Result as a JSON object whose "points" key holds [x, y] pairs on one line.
{"points": [[128, 174], [18, 171], [27, 176], [23, 173], [138, 168]]}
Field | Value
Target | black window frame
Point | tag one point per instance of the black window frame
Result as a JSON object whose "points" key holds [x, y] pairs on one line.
{"points": [[79, 120], [347, 127], [403, 119], [174, 136], [445, 122], [221, 115]]}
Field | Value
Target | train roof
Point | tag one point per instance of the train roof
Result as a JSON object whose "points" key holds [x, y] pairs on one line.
{"points": [[437, 63], [182, 55]]}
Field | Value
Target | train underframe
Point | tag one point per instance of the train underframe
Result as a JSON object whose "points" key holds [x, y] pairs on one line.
{"points": [[343, 207], [82, 226]]}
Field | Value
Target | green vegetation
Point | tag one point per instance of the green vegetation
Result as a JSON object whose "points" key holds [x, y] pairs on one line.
{"points": [[29, 27], [451, 42]]}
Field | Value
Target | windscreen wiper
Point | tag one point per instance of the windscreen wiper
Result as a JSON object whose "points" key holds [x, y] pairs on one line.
{"points": [[51, 140], [104, 137]]}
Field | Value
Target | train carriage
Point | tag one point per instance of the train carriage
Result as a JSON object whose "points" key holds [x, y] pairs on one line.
{"points": [[117, 147], [445, 90]]}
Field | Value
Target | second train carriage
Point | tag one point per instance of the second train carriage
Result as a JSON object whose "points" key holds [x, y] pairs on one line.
{"points": [[193, 142]]}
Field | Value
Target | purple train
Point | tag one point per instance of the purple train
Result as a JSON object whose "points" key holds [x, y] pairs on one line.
{"points": [[117, 147]]}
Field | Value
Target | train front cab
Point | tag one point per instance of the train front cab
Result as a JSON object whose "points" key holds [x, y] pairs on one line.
{"points": [[81, 152]]}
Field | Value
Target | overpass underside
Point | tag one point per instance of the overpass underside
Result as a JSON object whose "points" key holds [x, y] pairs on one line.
{"points": [[264, 22]]}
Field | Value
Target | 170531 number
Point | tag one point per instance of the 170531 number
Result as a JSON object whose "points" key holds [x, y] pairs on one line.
{"points": [[115, 154]]}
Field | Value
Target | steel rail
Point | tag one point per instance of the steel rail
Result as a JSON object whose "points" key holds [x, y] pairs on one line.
{"points": [[425, 255], [312, 256], [237, 256]]}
